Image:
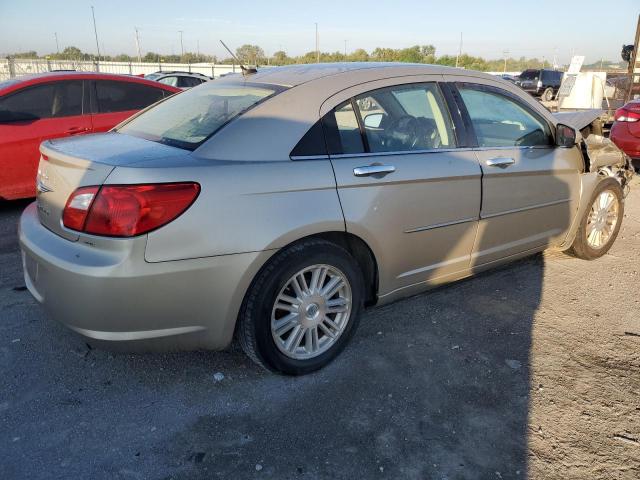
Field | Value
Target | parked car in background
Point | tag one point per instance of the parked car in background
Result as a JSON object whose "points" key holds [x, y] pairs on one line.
{"points": [[509, 78], [625, 131], [182, 80], [541, 83], [40, 107], [275, 206]]}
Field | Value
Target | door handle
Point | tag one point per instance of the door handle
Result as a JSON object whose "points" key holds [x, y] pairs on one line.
{"points": [[369, 170], [74, 130], [502, 162]]}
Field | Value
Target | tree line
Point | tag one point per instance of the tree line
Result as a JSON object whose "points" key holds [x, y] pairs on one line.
{"points": [[255, 55]]}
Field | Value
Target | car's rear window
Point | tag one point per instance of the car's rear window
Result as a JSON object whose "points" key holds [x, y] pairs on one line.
{"points": [[530, 75], [188, 119]]}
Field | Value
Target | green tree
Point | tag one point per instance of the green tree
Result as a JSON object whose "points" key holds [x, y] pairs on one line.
{"points": [[359, 55], [250, 54], [280, 58], [29, 54]]}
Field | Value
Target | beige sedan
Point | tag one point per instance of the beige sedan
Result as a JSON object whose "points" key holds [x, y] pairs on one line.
{"points": [[274, 207]]}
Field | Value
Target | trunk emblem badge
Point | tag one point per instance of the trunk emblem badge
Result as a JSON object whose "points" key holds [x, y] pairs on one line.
{"points": [[42, 187]]}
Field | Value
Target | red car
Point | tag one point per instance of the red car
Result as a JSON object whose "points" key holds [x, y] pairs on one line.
{"points": [[59, 104], [625, 132]]}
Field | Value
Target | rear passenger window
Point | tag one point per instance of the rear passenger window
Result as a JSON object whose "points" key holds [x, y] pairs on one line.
{"points": [[51, 100], [188, 82], [172, 81], [406, 118], [500, 121], [312, 143], [123, 96], [348, 129]]}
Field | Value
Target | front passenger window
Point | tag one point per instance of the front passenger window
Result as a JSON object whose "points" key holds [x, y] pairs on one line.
{"points": [[500, 121]]}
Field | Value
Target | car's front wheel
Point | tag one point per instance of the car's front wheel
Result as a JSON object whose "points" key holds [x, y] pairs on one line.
{"points": [[600, 224], [302, 308]]}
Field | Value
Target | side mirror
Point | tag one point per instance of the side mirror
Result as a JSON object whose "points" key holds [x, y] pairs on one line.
{"points": [[565, 136], [373, 120]]}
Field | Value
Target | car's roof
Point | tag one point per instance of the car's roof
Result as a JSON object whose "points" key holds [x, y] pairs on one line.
{"points": [[293, 75], [25, 80]]}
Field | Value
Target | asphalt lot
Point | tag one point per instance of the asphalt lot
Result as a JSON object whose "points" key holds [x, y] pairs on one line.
{"points": [[529, 371]]}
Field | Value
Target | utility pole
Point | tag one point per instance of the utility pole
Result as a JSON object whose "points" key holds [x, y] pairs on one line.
{"points": [[181, 45], [317, 45], [55, 34], [459, 51], [505, 53], [95, 30], [138, 45]]}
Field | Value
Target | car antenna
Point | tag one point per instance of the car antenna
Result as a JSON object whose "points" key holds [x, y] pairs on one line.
{"points": [[245, 70]]}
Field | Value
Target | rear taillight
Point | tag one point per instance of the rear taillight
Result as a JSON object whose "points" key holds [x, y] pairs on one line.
{"points": [[127, 210], [75, 211], [628, 113]]}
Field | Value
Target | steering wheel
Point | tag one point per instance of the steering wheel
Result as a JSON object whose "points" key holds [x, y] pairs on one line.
{"points": [[404, 131]]}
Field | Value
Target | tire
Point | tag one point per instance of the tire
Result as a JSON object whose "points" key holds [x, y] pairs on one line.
{"points": [[257, 330], [582, 247], [547, 95]]}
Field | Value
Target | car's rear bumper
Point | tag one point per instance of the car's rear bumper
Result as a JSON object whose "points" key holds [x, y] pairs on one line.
{"points": [[107, 292]]}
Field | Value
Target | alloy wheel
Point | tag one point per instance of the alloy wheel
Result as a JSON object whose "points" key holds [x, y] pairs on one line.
{"points": [[602, 219], [311, 311]]}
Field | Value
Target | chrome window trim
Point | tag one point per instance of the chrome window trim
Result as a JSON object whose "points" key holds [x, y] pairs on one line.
{"points": [[407, 152], [436, 150], [438, 225], [309, 157], [518, 147]]}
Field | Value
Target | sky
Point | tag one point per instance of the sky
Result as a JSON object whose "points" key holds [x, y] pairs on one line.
{"points": [[531, 28]]}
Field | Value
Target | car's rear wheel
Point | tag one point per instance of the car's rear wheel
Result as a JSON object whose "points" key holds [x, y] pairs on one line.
{"points": [[547, 95], [601, 222], [302, 308]]}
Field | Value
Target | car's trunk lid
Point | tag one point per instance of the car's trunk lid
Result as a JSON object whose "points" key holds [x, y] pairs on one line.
{"points": [[68, 164]]}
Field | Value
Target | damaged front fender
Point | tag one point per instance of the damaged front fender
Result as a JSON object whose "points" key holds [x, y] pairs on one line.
{"points": [[605, 158]]}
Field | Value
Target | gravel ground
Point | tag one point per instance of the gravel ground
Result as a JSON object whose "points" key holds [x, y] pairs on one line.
{"points": [[529, 371]]}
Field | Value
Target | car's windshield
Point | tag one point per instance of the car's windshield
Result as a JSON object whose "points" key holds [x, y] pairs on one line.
{"points": [[188, 119]]}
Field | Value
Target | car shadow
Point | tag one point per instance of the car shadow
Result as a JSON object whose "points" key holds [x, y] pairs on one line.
{"points": [[435, 386]]}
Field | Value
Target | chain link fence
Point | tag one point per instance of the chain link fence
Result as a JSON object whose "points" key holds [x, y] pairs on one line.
{"points": [[16, 67]]}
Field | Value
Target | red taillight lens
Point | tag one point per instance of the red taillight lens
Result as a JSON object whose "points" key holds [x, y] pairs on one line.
{"points": [[626, 114], [130, 210], [77, 207]]}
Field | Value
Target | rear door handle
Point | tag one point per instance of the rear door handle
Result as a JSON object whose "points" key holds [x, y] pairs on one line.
{"points": [[369, 170], [502, 162], [75, 130]]}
